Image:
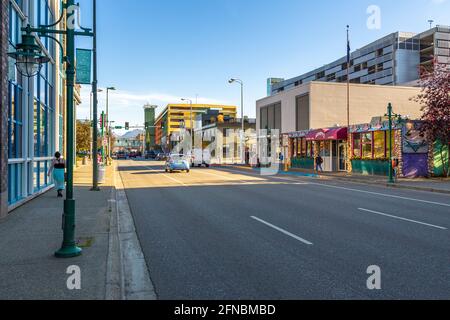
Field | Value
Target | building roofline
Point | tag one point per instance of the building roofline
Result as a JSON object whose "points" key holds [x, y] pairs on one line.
{"points": [[342, 84]]}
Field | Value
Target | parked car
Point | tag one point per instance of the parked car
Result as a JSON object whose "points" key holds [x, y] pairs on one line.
{"points": [[177, 162], [121, 155], [151, 154], [135, 154], [162, 157]]}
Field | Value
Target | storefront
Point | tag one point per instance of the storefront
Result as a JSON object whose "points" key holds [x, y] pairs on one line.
{"points": [[371, 148], [301, 152], [330, 144]]}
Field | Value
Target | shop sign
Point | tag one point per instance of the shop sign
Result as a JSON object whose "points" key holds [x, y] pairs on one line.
{"points": [[298, 134]]}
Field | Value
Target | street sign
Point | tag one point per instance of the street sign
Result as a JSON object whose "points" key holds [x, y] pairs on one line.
{"points": [[118, 128], [83, 69]]}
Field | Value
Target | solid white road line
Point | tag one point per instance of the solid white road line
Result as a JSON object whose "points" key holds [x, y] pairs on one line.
{"points": [[382, 194], [168, 177], [400, 218], [283, 231], [217, 175], [176, 180], [263, 177], [362, 191]]}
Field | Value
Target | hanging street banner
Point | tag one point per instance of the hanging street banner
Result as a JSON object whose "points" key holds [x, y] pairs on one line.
{"points": [[83, 68]]}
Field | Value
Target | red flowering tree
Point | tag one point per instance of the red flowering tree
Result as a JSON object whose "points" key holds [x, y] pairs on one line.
{"points": [[435, 98]]}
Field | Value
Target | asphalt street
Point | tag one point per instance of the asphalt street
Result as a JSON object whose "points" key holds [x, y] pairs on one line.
{"points": [[222, 233]]}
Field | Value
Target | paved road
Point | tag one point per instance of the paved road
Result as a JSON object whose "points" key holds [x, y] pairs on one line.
{"points": [[233, 234]]}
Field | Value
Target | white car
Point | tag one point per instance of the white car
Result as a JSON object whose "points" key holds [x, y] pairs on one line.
{"points": [[177, 162]]}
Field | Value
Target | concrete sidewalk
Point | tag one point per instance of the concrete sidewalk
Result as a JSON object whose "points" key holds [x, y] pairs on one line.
{"points": [[31, 234]]}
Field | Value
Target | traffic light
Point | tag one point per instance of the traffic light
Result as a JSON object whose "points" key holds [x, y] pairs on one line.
{"points": [[127, 126]]}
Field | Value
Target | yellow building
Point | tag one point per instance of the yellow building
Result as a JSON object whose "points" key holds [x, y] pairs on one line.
{"points": [[176, 117]]}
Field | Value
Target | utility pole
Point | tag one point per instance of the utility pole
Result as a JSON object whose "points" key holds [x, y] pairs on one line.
{"points": [[95, 103]]}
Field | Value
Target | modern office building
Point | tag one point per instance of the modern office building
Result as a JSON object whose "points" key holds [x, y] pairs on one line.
{"points": [[396, 59], [315, 114], [32, 119], [317, 105], [176, 117]]}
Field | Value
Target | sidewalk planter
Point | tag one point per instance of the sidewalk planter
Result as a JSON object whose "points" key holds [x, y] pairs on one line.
{"points": [[371, 167], [101, 174], [303, 163]]}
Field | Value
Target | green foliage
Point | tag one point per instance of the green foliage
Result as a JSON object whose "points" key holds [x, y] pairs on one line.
{"points": [[83, 136]]}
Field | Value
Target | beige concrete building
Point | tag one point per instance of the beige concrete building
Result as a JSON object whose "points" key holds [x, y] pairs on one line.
{"points": [[317, 105]]}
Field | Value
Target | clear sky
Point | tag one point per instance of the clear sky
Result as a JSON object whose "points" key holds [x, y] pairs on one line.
{"points": [[159, 51]]}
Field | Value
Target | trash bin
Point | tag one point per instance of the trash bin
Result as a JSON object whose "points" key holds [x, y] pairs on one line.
{"points": [[101, 174], [84, 161]]}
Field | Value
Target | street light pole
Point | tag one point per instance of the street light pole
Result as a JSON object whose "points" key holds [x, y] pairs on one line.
{"points": [[192, 110], [69, 248], [391, 115], [29, 61], [95, 102], [242, 135], [107, 123], [91, 121]]}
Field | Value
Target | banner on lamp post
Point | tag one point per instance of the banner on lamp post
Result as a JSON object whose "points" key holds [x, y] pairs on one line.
{"points": [[83, 66]]}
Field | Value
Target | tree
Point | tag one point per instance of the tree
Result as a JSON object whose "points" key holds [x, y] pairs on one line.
{"points": [[435, 98], [83, 136]]}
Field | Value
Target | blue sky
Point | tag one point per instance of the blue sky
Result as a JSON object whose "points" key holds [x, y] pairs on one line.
{"points": [[158, 51]]}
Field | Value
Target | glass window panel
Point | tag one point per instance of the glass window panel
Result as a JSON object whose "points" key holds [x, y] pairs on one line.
{"points": [[36, 128], [42, 131], [379, 145], [36, 175], [367, 151], [357, 145]]}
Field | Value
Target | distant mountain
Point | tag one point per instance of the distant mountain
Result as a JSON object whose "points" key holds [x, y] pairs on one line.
{"points": [[132, 134]]}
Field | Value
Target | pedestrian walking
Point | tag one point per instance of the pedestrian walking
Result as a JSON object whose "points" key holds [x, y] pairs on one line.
{"points": [[319, 163], [58, 169], [395, 168]]}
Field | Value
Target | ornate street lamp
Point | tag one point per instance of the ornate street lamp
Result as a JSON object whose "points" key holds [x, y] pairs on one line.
{"points": [[391, 116], [28, 56], [29, 60]]}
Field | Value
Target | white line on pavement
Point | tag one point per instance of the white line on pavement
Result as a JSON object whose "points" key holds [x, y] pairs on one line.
{"points": [[400, 218], [263, 177], [217, 175], [176, 180], [283, 231], [381, 194], [361, 191], [168, 177]]}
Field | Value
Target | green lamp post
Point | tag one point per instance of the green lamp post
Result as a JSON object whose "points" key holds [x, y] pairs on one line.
{"points": [[29, 60], [391, 116]]}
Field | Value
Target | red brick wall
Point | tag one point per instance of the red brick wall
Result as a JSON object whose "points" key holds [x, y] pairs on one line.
{"points": [[4, 17]]}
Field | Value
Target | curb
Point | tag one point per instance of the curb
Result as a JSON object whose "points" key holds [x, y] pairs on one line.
{"points": [[114, 273], [135, 280]]}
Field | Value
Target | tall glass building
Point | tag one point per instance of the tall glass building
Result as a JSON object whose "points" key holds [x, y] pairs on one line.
{"points": [[35, 109], [396, 59]]}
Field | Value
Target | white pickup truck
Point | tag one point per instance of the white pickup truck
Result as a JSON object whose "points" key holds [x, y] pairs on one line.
{"points": [[201, 158]]}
